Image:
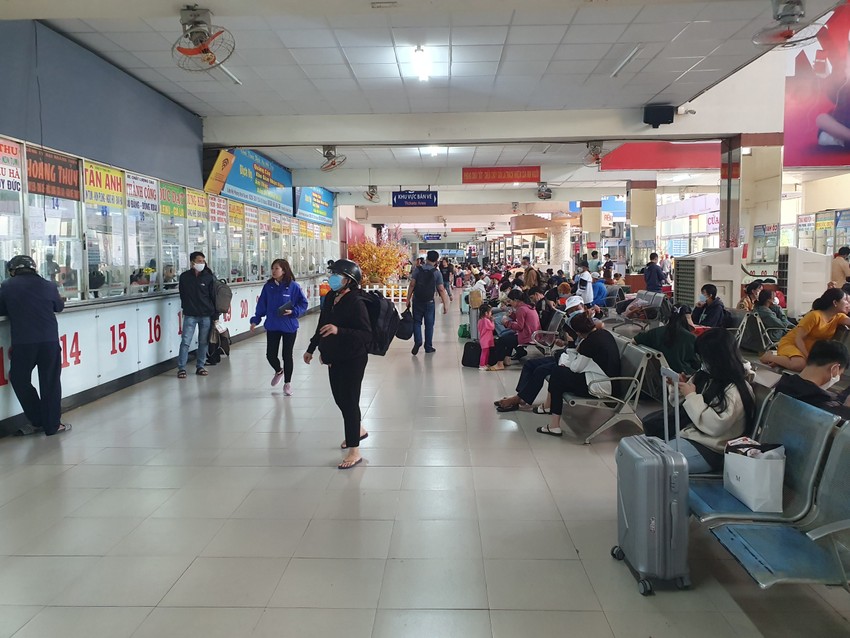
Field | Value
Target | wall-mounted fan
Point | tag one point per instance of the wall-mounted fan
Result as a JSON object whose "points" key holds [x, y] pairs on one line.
{"points": [[543, 191], [371, 195], [203, 46], [593, 157], [333, 160], [788, 32]]}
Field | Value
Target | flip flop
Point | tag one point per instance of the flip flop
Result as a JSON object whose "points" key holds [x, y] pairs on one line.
{"points": [[546, 430], [511, 408], [201, 372], [181, 374], [539, 409], [344, 445], [345, 465]]}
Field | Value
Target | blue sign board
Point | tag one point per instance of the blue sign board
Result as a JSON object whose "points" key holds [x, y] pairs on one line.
{"points": [[315, 204], [615, 204], [258, 181], [403, 199], [432, 237], [842, 219]]}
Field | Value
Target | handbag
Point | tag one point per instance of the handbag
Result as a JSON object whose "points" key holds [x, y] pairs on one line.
{"points": [[405, 326], [463, 331], [754, 474]]}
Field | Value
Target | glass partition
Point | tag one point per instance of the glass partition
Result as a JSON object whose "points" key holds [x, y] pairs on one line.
{"points": [[218, 258], [55, 242], [104, 219], [11, 206], [236, 230], [252, 246], [276, 238], [142, 226], [265, 247], [173, 225]]}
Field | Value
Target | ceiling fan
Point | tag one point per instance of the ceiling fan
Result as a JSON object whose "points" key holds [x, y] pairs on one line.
{"points": [[333, 160], [788, 32], [203, 46], [595, 151], [371, 194]]}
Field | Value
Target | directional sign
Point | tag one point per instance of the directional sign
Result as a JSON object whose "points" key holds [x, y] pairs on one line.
{"points": [[403, 199]]}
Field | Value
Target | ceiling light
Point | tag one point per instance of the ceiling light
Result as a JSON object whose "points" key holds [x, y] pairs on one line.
{"points": [[626, 60], [681, 177], [422, 64], [434, 150]]}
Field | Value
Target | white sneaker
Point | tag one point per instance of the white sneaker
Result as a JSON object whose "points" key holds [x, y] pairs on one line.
{"points": [[482, 368], [287, 389], [276, 378]]}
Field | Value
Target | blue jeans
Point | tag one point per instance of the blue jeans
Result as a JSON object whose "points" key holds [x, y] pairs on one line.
{"points": [[424, 311], [189, 323], [696, 462]]}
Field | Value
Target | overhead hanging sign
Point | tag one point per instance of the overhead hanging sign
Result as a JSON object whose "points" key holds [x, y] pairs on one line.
{"points": [[315, 204], [10, 166], [501, 174], [142, 194], [53, 174], [432, 237], [104, 186], [414, 199], [172, 200], [258, 181]]}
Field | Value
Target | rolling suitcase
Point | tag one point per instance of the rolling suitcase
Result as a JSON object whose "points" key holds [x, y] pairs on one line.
{"points": [[471, 354], [464, 301], [473, 325], [652, 505]]}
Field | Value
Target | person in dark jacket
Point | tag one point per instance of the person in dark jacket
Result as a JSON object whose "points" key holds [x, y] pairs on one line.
{"points": [[676, 341], [653, 275], [197, 297], [826, 363], [31, 302], [342, 336], [710, 310], [281, 302]]}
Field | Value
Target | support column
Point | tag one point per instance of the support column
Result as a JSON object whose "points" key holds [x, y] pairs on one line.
{"points": [[641, 214], [560, 255], [591, 223]]}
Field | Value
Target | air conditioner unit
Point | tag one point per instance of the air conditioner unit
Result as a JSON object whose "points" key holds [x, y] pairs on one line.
{"points": [[719, 266], [802, 277]]}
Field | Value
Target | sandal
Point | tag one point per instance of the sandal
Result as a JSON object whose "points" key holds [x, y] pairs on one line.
{"points": [[508, 408], [181, 374], [201, 372], [344, 445], [539, 409], [347, 465], [63, 427], [546, 430]]}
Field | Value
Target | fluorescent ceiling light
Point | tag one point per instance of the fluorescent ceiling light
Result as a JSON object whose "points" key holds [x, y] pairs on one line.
{"points": [[681, 177], [434, 150], [422, 64], [626, 60]]}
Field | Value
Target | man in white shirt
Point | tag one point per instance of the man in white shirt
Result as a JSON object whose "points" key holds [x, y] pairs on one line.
{"points": [[840, 267]]}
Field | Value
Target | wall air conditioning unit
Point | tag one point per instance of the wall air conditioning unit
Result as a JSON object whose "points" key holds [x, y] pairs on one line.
{"points": [[801, 277], [718, 266], [361, 213]]}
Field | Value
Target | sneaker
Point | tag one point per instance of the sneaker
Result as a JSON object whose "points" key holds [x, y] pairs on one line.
{"points": [[415, 350], [430, 350], [287, 389], [276, 378]]}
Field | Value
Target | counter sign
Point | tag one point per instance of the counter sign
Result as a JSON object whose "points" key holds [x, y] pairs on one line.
{"points": [[405, 199]]}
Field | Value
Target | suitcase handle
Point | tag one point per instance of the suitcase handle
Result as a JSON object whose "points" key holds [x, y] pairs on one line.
{"points": [[674, 516], [673, 376]]}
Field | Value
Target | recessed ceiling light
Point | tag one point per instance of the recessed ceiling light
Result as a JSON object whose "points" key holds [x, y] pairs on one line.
{"points": [[434, 150], [422, 64]]}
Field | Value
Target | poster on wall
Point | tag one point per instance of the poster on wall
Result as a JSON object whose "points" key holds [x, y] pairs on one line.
{"points": [[53, 174], [142, 194], [252, 179], [10, 167], [817, 96], [196, 204], [104, 186], [218, 209], [172, 200], [315, 204]]}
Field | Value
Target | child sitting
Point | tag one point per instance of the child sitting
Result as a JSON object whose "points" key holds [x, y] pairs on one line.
{"points": [[485, 334]]}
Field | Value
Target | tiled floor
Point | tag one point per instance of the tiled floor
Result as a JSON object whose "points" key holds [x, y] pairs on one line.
{"points": [[212, 507]]}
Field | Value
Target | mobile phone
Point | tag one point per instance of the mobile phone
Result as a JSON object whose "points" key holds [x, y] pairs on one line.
{"points": [[284, 308]]}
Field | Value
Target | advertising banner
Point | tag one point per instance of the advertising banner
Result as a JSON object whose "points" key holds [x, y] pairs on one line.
{"points": [[53, 174], [10, 166], [806, 222], [277, 223], [172, 200], [500, 174], [196, 204], [218, 175], [302, 228], [825, 221], [405, 199], [218, 209], [104, 186], [265, 221], [236, 213], [257, 180], [817, 97], [142, 194], [712, 222], [315, 204], [251, 217]]}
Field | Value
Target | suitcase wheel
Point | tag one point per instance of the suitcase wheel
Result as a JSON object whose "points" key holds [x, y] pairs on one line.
{"points": [[617, 552], [644, 587], [683, 582]]}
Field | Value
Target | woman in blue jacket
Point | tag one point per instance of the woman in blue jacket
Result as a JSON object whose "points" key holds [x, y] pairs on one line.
{"points": [[281, 302]]}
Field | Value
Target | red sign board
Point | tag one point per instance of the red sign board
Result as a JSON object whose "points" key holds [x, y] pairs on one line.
{"points": [[52, 174], [462, 230], [657, 156], [500, 174], [591, 245]]}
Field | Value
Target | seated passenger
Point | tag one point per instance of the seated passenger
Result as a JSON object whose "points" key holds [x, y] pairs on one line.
{"points": [[828, 312], [710, 310], [676, 341], [523, 320], [827, 362], [595, 359], [600, 292], [771, 316], [751, 293], [717, 404]]}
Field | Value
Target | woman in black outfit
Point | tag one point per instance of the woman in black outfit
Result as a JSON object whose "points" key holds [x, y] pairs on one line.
{"points": [[342, 335], [596, 344]]}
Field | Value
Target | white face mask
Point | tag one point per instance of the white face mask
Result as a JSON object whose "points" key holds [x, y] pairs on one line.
{"points": [[199, 267], [832, 381]]}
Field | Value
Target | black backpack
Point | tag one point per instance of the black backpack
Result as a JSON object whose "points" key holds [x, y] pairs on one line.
{"points": [[384, 319], [425, 287], [223, 295]]}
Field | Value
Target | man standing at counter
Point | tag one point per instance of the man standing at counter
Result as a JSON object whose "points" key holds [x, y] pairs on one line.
{"points": [[197, 296], [31, 302]]}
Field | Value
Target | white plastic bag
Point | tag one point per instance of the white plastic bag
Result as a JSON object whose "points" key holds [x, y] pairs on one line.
{"points": [[755, 474]]}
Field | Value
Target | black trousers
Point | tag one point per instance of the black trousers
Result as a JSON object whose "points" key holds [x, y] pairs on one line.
{"points": [[346, 377], [533, 377], [273, 339], [44, 411], [505, 345], [565, 380]]}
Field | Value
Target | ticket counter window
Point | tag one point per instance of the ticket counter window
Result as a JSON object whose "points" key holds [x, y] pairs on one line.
{"points": [[197, 231], [252, 249], [218, 257], [56, 242], [106, 251], [237, 253], [173, 234], [141, 249], [11, 229]]}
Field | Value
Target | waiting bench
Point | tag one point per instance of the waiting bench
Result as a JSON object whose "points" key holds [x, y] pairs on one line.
{"points": [[657, 310], [814, 551]]}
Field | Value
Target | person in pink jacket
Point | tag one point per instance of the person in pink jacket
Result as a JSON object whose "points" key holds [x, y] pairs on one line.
{"points": [[485, 334], [524, 321]]}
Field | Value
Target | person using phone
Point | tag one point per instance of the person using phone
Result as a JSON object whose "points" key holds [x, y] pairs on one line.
{"points": [[281, 302]]}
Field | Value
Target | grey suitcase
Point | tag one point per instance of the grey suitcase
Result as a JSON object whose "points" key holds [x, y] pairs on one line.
{"points": [[473, 324], [652, 506]]}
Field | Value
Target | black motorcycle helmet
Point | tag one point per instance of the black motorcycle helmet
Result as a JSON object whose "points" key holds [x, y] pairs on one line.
{"points": [[20, 263], [349, 269]]}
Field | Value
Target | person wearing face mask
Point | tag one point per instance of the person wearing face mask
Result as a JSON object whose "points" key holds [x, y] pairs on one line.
{"points": [[523, 321], [709, 310], [342, 336], [827, 362], [197, 297], [751, 293], [840, 268], [771, 316]]}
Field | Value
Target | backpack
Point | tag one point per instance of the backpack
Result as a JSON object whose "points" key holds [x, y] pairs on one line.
{"points": [[426, 287], [223, 295], [384, 319]]}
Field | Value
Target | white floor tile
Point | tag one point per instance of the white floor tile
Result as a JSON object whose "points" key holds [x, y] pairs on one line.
{"points": [[85, 622], [330, 583], [226, 582], [203, 622], [391, 623], [434, 583]]}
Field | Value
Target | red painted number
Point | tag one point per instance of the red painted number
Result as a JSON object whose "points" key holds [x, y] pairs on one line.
{"points": [[119, 337], [73, 355], [3, 380], [243, 307], [180, 323], [154, 329]]}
